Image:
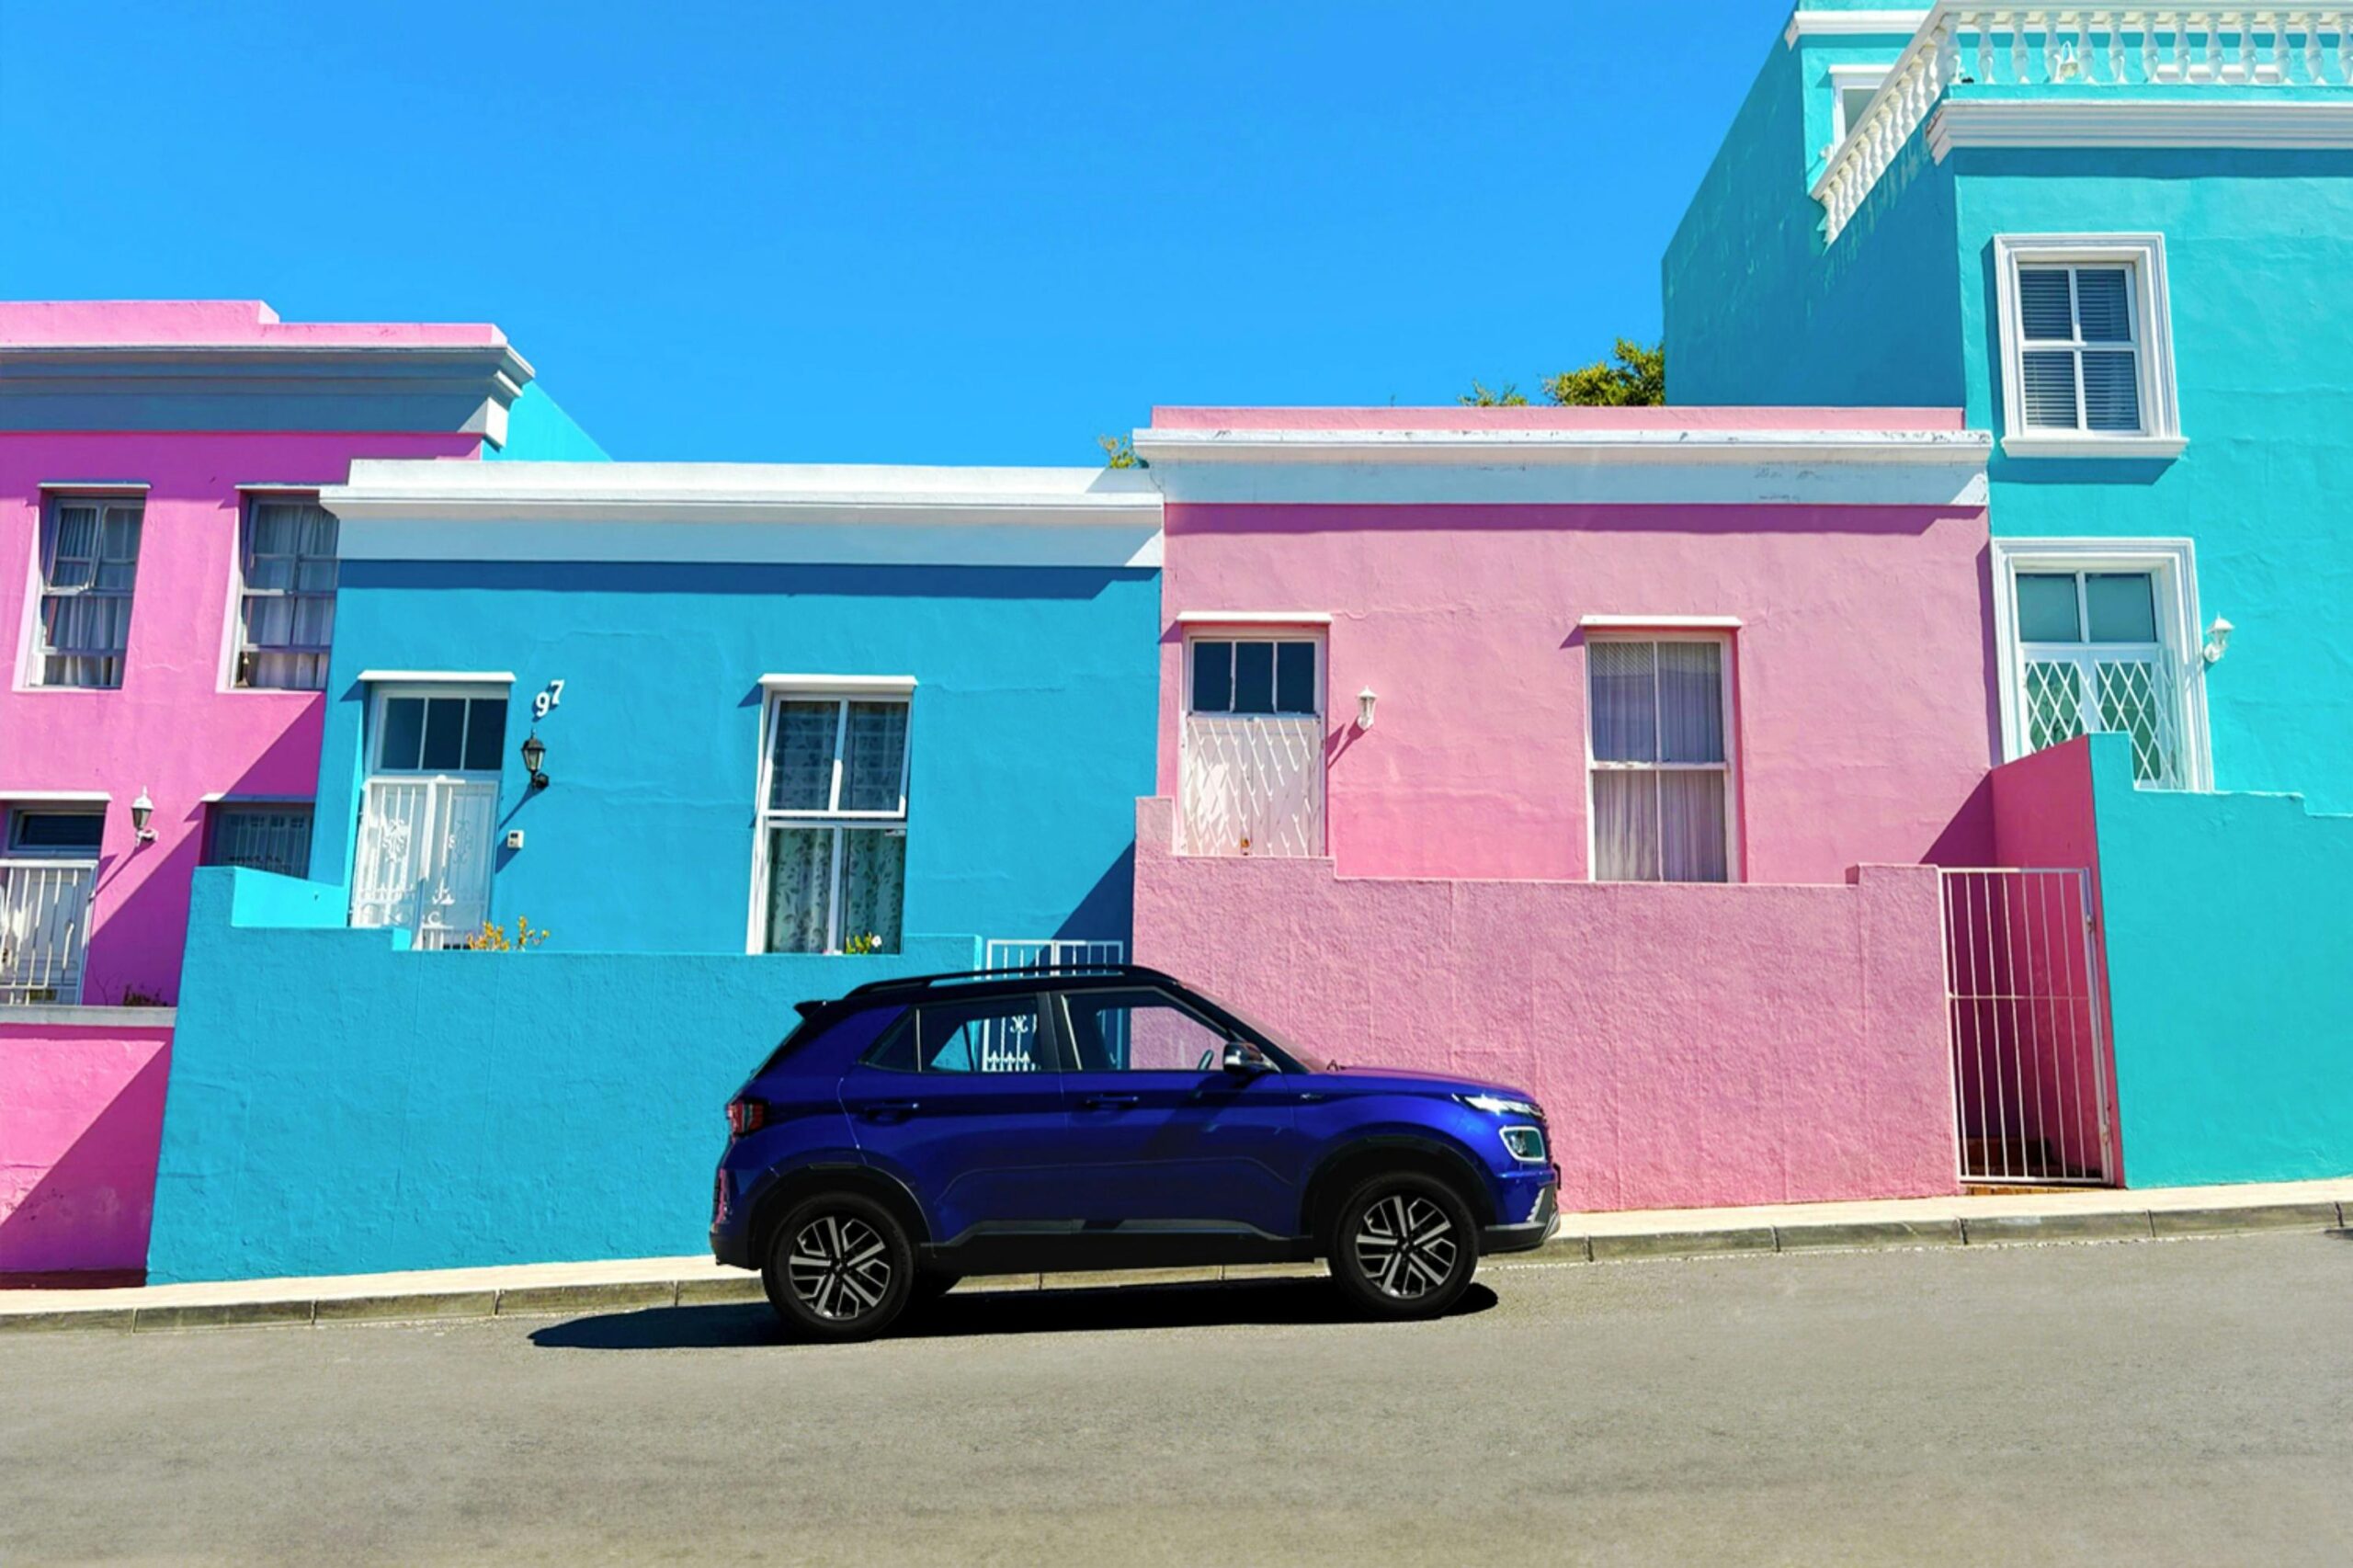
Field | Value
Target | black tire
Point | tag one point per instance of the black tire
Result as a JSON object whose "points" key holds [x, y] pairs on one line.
{"points": [[853, 1276], [1404, 1246]]}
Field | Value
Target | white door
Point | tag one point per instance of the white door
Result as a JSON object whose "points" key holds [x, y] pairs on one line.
{"points": [[424, 857]]}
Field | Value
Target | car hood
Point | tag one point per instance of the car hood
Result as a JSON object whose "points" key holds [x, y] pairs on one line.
{"points": [[1400, 1081]]}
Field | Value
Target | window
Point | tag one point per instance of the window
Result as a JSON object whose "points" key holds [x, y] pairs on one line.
{"points": [[1252, 746], [1852, 88], [832, 851], [998, 1034], [89, 556], [286, 611], [1140, 1031], [1661, 774], [2086, 359], [263, 838], [63, 834], [441, 734], [429, 814]]}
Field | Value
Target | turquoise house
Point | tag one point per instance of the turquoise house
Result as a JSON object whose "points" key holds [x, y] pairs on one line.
{"points": [[2119, 239], [725, 736]]}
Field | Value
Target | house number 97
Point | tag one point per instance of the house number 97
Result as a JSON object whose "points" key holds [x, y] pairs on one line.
{"points": [[545, 697]]}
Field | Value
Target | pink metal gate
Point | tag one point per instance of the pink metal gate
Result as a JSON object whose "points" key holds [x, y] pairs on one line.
{"points": [[2029, 1047]]}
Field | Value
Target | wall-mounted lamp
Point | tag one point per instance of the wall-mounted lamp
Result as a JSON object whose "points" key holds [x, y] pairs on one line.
{"points": [[141, 810], [1365, 700], [2218, 641], [535, 753]]}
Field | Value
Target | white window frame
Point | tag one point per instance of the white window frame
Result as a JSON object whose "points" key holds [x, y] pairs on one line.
{"points": [[842, 691], [232, 633], [1735, 870], [2172, 565], [33, 650], [1249, 627], [2143, 258], [1843, 79], [456, 684]]}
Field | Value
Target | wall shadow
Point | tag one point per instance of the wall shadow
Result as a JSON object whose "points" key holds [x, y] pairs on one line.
{"points": [[85, 1222]]}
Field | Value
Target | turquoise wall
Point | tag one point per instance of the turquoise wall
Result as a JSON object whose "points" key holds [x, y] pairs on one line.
{"points": [[2258, 247], [1032, 731], [338, 1106], [540, 431], [2228, 957]]}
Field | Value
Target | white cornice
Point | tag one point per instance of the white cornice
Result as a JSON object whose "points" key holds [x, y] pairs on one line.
{"points": [[1530, 448], [1851, 24], [883, 685], [2188, 120], [437, 677]]}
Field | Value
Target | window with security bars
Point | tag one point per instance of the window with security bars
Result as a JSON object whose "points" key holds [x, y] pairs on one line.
{"points": [[1661, 769], [89, 560], [2079, 351], [262, 839], [1251, 748], [2091, 659], [832, 850], [286, 612]]}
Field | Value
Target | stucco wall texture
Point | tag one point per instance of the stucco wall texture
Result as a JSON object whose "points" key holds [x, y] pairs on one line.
{"points": [[1862, 709], [1692, 1045], [81, 1111]]}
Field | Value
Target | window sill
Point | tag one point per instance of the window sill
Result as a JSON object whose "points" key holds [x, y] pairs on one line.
{"points": [[2142, 447]]}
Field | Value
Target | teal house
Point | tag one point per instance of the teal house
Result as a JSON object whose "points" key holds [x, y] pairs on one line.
{"points": [[701, 740], [2119, 239]]}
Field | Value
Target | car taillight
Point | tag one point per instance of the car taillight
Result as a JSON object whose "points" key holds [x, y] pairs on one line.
{"points": [[746, 1115]]}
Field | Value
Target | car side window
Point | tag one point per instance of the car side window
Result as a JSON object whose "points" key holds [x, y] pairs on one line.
{"points": [[997, 1034], [1140, 1031]]}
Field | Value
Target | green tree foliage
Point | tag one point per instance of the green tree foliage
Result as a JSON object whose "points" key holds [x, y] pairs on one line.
{"points": [[1119, 452], [1632, 377], [1480, 395]]}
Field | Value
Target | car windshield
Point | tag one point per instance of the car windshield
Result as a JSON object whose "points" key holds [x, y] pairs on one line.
{"points": [[1287, 1056]]}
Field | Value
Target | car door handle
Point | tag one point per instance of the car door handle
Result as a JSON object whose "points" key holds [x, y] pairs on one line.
{"points": [[891, 1111], [1109, 1102]]}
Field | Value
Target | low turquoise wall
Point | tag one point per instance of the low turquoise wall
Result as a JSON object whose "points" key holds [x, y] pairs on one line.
{"points": [[2230, 959], [341, 1106]]}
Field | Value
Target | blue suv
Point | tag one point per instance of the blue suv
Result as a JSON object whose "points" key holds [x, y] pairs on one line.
{"points": [[917, 1131]]}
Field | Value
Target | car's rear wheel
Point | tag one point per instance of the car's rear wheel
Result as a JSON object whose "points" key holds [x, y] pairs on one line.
{"points": [[1403, 1245], [839, 1268]]}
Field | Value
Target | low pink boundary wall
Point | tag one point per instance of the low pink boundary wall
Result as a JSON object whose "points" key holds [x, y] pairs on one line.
{"points": [[1693, 1046], [81, 1117]]}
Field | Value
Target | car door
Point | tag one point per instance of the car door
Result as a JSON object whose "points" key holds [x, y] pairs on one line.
{"points": [[962, 1101], [1161, 1136]]}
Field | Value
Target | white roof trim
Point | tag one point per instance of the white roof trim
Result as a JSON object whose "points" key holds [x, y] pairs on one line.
{"points": [[2185, 122], [232, 798], [54, 797], [1661, 622], [1848, 23], [438, 677], [299, 487], [98, 486], [1553, 447], [1255, 617], [901, 684]]}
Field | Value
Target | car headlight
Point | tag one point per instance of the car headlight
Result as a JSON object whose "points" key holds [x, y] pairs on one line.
{"points": [[1501, 1105], [1525, 1143]]}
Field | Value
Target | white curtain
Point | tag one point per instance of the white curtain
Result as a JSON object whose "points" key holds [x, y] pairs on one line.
{"points": [[873, 756], [801, 875], [1657, 703], [874, 879]]}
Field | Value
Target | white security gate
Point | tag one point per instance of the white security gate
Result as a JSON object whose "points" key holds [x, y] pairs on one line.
{"points": [[424, 860], [44, 924], [1251, 785], [2024, 999], [1004, 1045]]}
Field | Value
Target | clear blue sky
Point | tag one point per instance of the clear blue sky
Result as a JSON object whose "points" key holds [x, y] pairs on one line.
{"points": [[881, 232]]}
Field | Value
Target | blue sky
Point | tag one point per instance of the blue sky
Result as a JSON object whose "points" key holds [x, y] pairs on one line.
{"points": [[880, 231]]}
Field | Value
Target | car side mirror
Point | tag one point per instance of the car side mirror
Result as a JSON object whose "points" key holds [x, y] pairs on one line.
{"points": [[1246, 1059]]}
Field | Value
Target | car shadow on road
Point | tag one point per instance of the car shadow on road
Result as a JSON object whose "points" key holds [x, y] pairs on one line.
{"points": [[987, 1314]]}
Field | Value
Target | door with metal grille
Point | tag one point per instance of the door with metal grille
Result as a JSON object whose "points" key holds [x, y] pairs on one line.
{"points": [[425, 857], [1006, 1044], [2024, 998]]}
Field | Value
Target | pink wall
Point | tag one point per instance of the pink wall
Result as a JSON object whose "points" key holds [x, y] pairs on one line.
{"points": [[1694, 1045], [174, 728], [1863, 714], [81, 1116]]}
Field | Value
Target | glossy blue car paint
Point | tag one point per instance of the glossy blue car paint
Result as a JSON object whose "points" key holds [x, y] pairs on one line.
{"points": [[1085, 1168]]}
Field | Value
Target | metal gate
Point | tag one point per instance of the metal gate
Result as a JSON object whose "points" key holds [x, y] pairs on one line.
{"points": [[2029, 1048], [1005, 1043]]}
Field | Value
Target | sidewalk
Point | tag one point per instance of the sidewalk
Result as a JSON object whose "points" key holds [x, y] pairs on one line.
{"points": [[562, 1287]]}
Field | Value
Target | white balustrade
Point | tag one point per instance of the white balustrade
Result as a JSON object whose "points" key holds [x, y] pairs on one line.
{"points": [[44, 926], [2070, 47]]}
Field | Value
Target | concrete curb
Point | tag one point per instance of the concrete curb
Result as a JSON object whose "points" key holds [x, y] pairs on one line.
{"points": [[555, 1301]]}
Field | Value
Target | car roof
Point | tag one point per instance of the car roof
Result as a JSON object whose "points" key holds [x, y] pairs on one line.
{"points": [[960, 984]]}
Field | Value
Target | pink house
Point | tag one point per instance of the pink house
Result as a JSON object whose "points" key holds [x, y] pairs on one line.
{"points": [[168, 588], [1602, 751]]}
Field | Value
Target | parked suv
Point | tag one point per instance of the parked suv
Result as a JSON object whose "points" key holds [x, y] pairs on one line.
{"points": [[917, 1131]]}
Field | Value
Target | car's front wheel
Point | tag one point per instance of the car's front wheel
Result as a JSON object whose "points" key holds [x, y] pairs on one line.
{"points": [[1403, 1245], [839, 1268]]}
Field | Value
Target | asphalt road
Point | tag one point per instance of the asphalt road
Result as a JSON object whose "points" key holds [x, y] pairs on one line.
{"points": [[2171, 1401]]}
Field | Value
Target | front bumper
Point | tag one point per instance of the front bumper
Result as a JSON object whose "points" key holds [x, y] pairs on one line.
{"points": [[1528, 1235]]}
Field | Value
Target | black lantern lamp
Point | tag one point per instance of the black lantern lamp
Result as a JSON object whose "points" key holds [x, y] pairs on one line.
{"points": [[535, 752]]}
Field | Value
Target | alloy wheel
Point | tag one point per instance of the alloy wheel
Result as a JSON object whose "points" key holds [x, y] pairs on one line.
{"points": [[1406, 1246], [840, 1267]]}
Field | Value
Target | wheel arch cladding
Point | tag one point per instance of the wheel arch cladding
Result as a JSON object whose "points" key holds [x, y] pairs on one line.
{"points": [[1346, 1168]]}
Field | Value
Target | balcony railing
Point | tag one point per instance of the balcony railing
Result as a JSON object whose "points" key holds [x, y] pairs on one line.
{"points": [[44, 924], [2142, 46]]}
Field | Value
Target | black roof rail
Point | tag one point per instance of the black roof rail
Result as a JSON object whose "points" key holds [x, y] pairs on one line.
{"points": [[983, 976]]}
